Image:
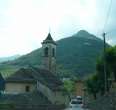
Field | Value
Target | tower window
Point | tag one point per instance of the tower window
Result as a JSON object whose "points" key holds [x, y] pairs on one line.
{"points": [[53, 52], [27, 89], [46, 52]]}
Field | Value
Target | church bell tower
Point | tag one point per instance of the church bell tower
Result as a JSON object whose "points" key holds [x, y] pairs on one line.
{"points": [[49, 54]]}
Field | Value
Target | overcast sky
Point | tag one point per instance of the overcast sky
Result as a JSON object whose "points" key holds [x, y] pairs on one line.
{"points": [[24, 24]]}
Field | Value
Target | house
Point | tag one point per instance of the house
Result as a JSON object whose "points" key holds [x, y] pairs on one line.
{"points": [[2, 83], [79, 88], [44, 79]]}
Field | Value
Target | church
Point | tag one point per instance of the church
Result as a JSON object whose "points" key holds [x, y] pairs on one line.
{"points": [[44, 79]]}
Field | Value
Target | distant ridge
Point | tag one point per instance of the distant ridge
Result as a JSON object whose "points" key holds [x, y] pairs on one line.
{"points": [[3, 59]]}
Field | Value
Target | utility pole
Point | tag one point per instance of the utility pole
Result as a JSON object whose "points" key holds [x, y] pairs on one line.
{"points": [[84, 98], [105, 72]]}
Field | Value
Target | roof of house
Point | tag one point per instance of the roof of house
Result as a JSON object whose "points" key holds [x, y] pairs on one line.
{"points": [[33, 74], [49, 40], [22, 75], [48, 78]]}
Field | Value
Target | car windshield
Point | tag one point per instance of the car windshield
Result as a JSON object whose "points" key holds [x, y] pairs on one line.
{"points": [[79, 98], [76, 102], [79, 102]]}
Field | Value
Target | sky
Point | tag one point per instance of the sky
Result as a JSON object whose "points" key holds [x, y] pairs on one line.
{"points": [[24, 24]]}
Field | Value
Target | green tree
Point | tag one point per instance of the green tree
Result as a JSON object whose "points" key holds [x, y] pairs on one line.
{"points": [[69, 86], [111, 60], [96, 83], [93, 85], [110, 67], [101, 75]]}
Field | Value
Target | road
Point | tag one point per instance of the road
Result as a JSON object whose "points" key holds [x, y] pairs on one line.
{"points": [[76, 108]]}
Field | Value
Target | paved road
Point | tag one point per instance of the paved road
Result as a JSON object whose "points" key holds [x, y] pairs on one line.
{"points": [[76, 108]]}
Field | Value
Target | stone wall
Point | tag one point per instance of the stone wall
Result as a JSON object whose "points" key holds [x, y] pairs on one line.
{"points": [[49, 62], [55, 97]]}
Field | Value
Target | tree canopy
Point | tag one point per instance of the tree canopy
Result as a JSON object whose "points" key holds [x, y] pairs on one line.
{"points": [[96, 83]]}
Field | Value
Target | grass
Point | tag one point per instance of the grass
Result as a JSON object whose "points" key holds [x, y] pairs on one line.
{"points": [[7, 70]]}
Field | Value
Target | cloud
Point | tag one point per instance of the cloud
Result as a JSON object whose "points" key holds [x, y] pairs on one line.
{"points": [[24, 24]]}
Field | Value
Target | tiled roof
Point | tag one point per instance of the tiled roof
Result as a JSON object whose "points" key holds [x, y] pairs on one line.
{"points": [[22, 75], [33, 74], [48, 78], [49, 40], [49, 37]]}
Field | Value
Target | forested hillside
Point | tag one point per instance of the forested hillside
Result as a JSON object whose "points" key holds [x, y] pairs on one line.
{"points": [[76, 55]]}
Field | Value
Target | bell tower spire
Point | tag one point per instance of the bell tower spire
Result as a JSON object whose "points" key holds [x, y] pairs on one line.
{"points": [[49, 54]]}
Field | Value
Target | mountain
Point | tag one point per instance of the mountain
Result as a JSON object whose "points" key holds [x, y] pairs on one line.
{"points": [[76, 56], [4, 59]]}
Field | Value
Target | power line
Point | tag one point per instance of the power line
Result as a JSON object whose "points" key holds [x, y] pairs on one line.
{"points": [[107, 16], [111, 31], [104, 25], [104, 34]]}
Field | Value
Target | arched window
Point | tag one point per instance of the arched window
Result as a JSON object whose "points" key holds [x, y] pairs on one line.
{"points": [[27, 88], [53, 52], [46, 52]]}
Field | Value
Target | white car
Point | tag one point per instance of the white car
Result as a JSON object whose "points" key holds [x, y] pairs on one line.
{"points": [[79, 98], [74, 103]]}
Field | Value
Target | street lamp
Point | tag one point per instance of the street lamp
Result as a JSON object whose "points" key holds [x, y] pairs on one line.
{"points": [[105, 73]]}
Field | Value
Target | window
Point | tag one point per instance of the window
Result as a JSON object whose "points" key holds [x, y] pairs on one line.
{"points": [[27, 89], [46, 52], [53, 52]]}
